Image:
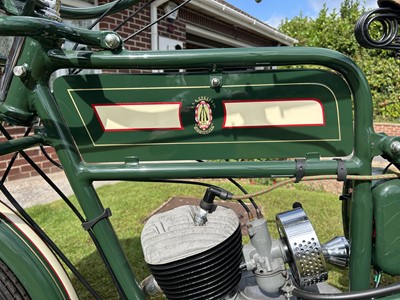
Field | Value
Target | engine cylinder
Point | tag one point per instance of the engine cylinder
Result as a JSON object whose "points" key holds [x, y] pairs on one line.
{"points": [[194, 262]]}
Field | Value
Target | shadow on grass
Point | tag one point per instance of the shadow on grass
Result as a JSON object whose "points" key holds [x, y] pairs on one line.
{"points": [[95, 272]]}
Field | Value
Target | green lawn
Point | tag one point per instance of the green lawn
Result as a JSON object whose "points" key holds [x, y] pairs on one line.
{"points": [[131, 203]]}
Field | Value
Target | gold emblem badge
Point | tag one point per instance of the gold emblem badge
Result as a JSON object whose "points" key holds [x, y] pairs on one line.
{"points": [[203, 116]]}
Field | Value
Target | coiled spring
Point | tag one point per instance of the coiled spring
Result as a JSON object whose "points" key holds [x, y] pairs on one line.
{"points": [[379, 29]]}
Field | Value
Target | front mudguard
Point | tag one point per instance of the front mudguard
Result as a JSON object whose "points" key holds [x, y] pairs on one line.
{"points": [[31, 260]]}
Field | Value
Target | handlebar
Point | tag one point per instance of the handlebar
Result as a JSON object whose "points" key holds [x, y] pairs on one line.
{"points": [[36, 27], [20, 23]]}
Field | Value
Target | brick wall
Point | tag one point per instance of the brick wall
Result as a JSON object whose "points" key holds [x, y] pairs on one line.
{"points": [[21, 168], [234, 32], [388, 128], [175, 30], [142, 41]]}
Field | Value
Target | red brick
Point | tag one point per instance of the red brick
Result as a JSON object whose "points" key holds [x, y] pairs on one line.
{"points": [[18, 176], [16, 130], [389, 129], [32, 152], [46, 164], [15, 171], [26, 168], [6, 157], [20, 161]]}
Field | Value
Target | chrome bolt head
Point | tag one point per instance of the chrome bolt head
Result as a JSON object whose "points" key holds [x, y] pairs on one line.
{"points": [[112, 40], [395, 147], [216, 82], [20, 71]]}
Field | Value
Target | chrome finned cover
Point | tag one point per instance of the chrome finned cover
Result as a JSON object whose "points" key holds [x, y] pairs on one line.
{"points": [[305, 255]]}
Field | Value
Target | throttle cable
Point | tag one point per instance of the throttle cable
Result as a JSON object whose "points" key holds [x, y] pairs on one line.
{"points": [[314, 178]]}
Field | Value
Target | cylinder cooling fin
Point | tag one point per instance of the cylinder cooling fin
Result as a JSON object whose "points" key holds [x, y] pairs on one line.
{"points": [[194, 262], [306, 259]]}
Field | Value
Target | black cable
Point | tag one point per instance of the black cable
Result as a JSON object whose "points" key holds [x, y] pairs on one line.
{"points": [[104, 14], [98, 20], [133, 14], [240, 187], [77, 71], [49, 158], [197, 183], [47, 240], [391, 163], [43, 175], [387, 168], [70, 205], [52, 184], [244, 191], [357, 295], [78, 214], [156, 21], [12, 160], [9, 166], [183, 182]]}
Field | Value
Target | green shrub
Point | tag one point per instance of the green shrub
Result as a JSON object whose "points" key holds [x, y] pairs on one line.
{"points": [[335, 30]]}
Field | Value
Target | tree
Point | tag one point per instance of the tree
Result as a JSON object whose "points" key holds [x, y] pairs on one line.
{"points": [[335, 30]]}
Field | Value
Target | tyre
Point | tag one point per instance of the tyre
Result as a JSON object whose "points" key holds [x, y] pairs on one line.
{"points": [[10, 286]]}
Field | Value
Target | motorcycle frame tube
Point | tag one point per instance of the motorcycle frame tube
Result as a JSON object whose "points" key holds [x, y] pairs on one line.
{"points": [[32, 94], [361, 212], [86, 194], [48, 28], [82, 175], [20, 144]]}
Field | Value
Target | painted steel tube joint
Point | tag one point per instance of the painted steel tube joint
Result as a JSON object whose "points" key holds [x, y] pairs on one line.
{"points": [[390, 147]]}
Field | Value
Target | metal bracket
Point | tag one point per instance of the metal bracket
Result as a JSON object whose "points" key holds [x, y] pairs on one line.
{"points": [[300, 169], [341, 170], [90, 224]]}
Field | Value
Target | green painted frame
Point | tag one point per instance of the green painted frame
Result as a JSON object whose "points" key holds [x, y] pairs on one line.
{"points": [[81, 98], [30, 96]]}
